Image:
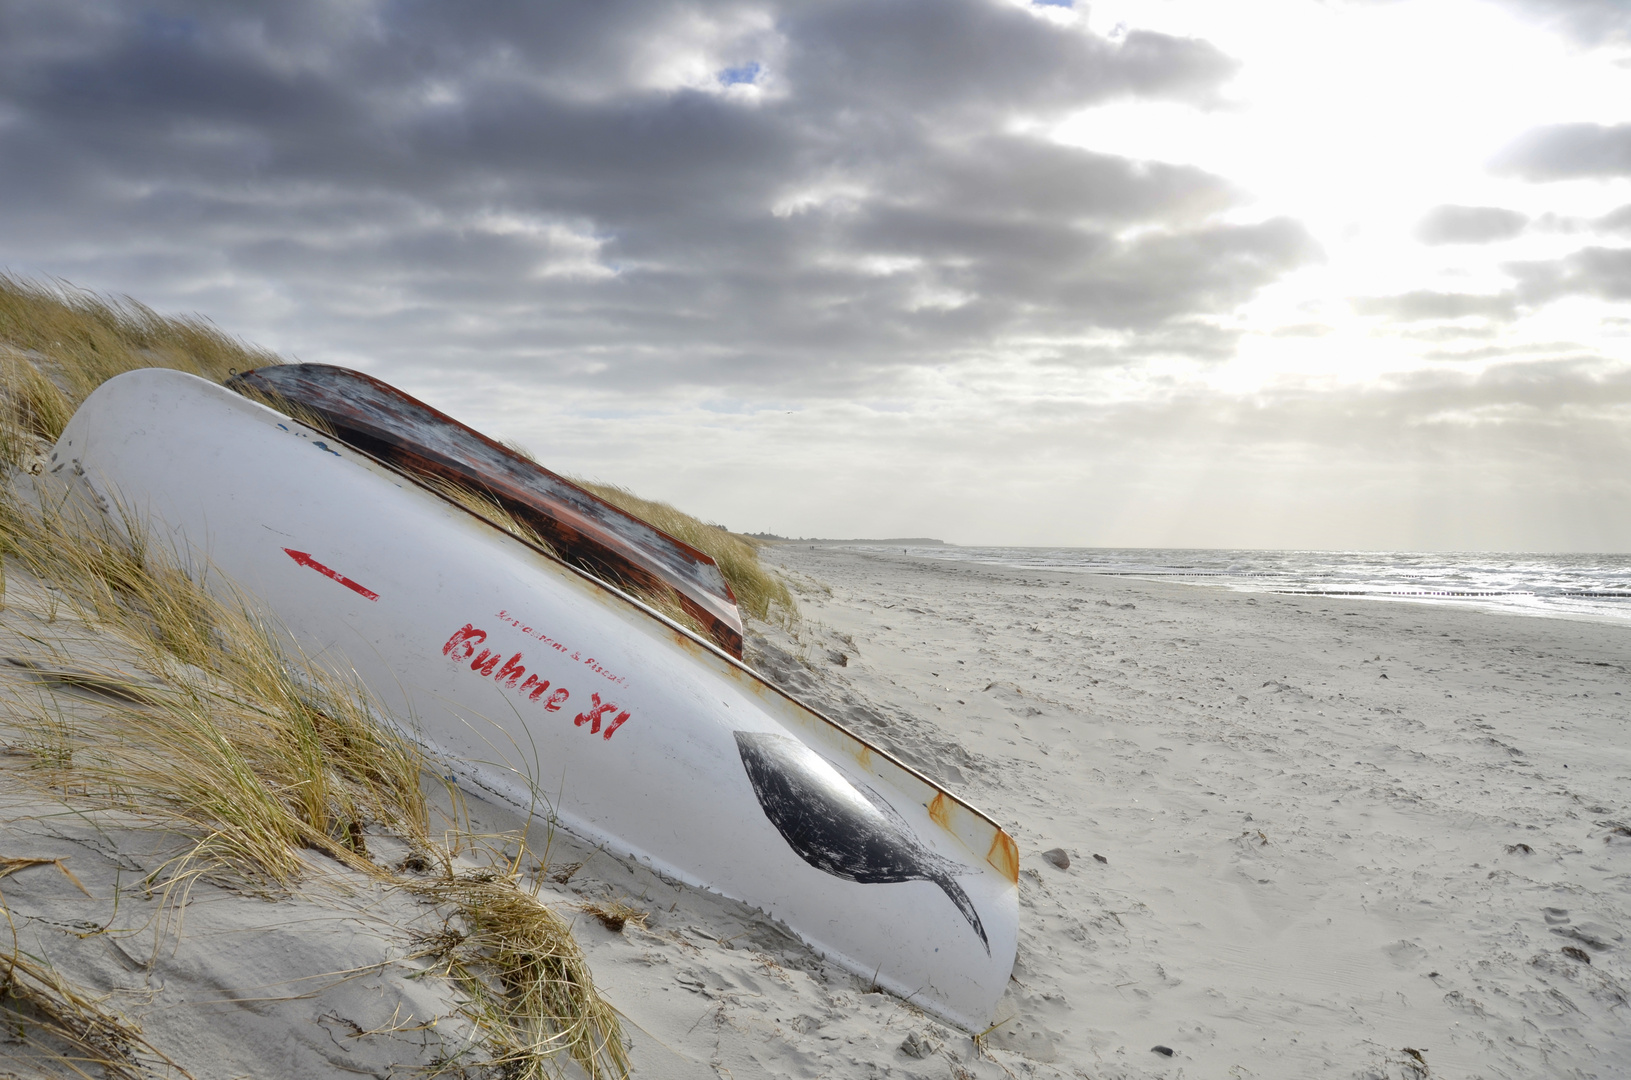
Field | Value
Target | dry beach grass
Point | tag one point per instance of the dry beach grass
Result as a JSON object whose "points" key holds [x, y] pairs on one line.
{"points": [[75, 341], [209, 724], [759, 593]]}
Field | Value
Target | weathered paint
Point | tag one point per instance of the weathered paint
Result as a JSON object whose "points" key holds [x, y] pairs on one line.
{"points": [[406, 434], [231, 482]]}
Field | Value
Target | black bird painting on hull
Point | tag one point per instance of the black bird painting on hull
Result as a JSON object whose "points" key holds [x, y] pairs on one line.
{"points": [[838, 828]]}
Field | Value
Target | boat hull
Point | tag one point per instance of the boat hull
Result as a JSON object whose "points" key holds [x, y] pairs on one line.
{"points": [[584, 529], [558, 694]]}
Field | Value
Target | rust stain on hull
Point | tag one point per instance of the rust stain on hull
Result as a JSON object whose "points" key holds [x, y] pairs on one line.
{"points": [[939, 811], [1004, 856], [412, 437]]}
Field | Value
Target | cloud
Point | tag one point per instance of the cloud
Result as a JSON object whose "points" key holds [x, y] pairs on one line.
{"points": [[752, 194], [1005, 175], [967, 56], [827, 250], [1521, 455], [1587, 23], [1600, 272], [1424, 305], [1568, 152], [1615, 220], [1451, 224]]}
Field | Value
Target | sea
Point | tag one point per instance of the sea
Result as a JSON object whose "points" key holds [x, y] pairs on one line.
{"points": [[1563, 585]]}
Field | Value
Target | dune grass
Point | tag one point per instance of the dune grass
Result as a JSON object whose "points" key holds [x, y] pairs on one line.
{"points": [[759, 592], [210, 720], [78, 340], [662, 598], [76, 1036], [488, 509], [87, 339], [525, 975]]}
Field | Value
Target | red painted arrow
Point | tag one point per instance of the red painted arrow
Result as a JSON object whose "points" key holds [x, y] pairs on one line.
{"points": [[306, 560]]}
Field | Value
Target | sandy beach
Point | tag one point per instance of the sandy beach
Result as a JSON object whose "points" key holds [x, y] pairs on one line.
{"points": [[1305, 838], [1304, 834]]}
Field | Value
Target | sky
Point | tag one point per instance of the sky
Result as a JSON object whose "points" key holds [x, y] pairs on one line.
{"points": [[1340, 274]]}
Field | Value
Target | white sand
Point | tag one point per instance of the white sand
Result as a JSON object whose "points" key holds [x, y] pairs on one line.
{"points": [[1308, 867], [1310, 812]]}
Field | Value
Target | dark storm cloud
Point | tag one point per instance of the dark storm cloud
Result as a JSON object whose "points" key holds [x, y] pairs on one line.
{"points": [[1030, 179], [1568, 152], [573, 189], [926, 54], [1469, 224], [1423, 305]]}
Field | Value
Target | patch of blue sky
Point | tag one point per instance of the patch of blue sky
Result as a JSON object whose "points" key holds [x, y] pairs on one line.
{"points": [[1054, 3], [747, 73]]}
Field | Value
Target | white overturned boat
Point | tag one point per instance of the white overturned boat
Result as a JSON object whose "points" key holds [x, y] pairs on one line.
{"points": [[530, 677]]}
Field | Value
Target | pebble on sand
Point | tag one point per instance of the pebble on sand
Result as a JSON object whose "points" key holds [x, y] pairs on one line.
{"points": [[1058, 857], [918, 1046]]}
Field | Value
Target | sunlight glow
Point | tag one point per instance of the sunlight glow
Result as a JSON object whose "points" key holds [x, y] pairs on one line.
{"points": [[1357, 120]]}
